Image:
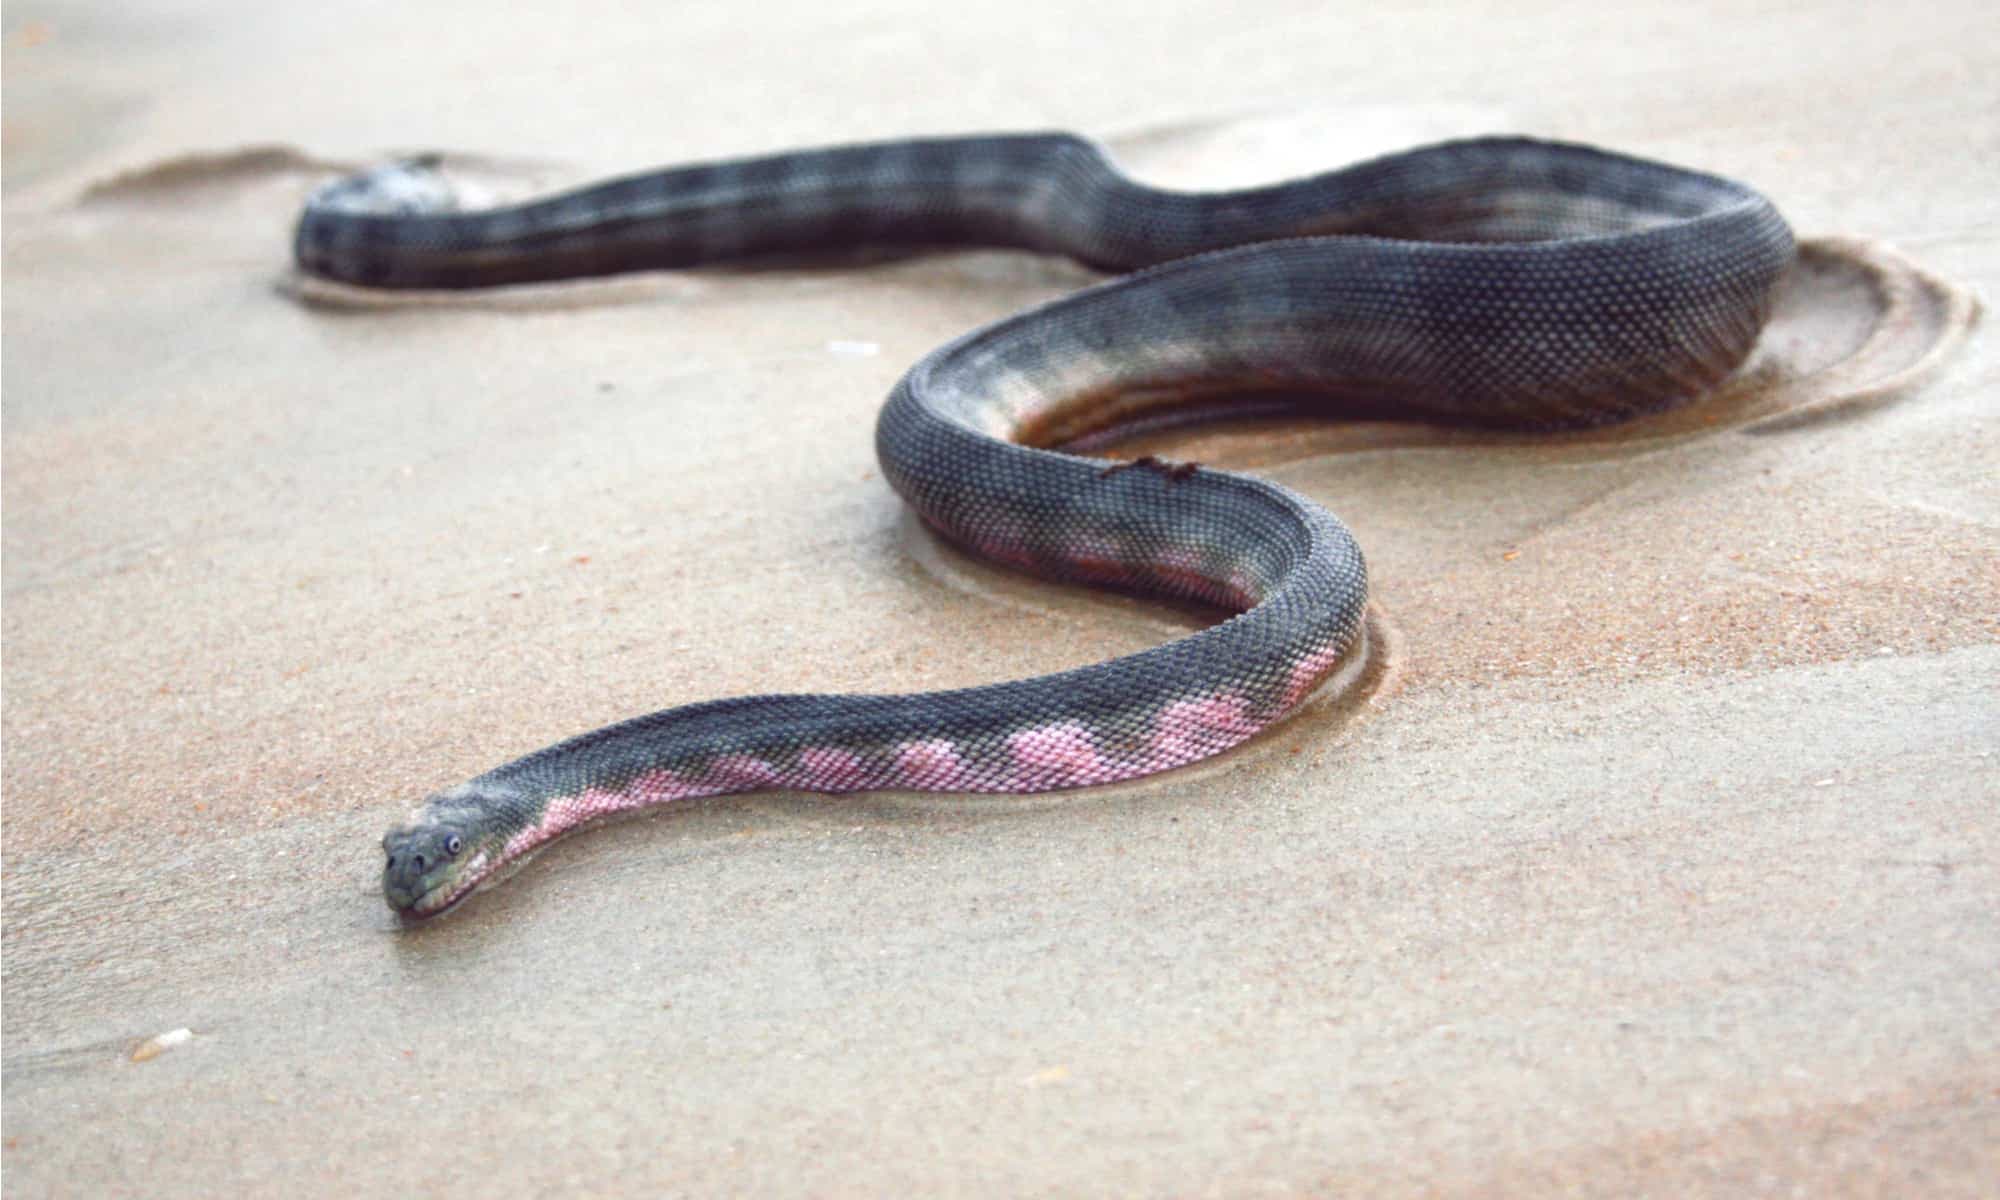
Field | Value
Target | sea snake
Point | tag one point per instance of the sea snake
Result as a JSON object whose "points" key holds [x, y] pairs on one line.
{"points": [[1502, 281]]}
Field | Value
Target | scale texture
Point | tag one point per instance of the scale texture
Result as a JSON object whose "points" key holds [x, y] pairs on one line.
{"points": [[1498, 281]]}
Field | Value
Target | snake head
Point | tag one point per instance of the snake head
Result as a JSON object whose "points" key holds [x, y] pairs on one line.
{"points": [[448, 848]]}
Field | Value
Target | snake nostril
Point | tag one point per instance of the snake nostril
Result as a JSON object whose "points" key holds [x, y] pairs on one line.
{"points": [[419, 862]]}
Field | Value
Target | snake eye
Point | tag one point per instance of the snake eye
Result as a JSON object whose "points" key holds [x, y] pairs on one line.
{"points": [[453, 845]]}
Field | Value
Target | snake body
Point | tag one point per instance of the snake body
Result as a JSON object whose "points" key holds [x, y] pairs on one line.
{"points": [[1501, 281]]}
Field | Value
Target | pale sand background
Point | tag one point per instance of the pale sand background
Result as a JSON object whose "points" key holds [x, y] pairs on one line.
{"points": [[1661, 859]]}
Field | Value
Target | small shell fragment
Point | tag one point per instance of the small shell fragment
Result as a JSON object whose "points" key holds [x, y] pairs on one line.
{"points": [[159, 1044]]}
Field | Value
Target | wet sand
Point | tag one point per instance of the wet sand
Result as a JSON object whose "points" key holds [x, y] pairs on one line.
{"points": [[1655, 852]]}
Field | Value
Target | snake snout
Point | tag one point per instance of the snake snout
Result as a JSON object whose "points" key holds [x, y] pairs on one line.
{"points": [[419, 861]]}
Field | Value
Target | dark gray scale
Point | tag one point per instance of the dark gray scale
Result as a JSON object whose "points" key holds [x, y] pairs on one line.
{"points": [[1497, 281]]}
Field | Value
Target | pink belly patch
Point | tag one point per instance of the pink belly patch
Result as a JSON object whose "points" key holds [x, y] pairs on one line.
{"points": [[1057, 756], [931, 764], [1187, 730]]}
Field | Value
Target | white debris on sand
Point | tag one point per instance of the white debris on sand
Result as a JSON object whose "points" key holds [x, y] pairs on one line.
{"points": [[159, 1044]]}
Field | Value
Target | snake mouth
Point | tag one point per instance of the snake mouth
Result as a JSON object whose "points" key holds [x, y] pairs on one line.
{"points": [[447, 896], [428, 907]]}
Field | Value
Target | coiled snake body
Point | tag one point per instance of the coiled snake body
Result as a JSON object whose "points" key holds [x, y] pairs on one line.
{"points": [[1500, 281]]}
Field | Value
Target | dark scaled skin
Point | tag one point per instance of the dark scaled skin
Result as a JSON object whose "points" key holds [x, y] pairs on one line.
{"points": [[1496, 281]]}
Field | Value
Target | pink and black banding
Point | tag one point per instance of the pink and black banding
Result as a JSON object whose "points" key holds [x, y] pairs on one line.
{"points": [[1497, 281]]}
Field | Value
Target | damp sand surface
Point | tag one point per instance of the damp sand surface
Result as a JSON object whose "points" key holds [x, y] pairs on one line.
{"points": [[1655, 849]]}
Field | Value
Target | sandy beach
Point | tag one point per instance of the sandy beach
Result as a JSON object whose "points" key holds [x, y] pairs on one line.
{"points": [[1653, 850]]}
